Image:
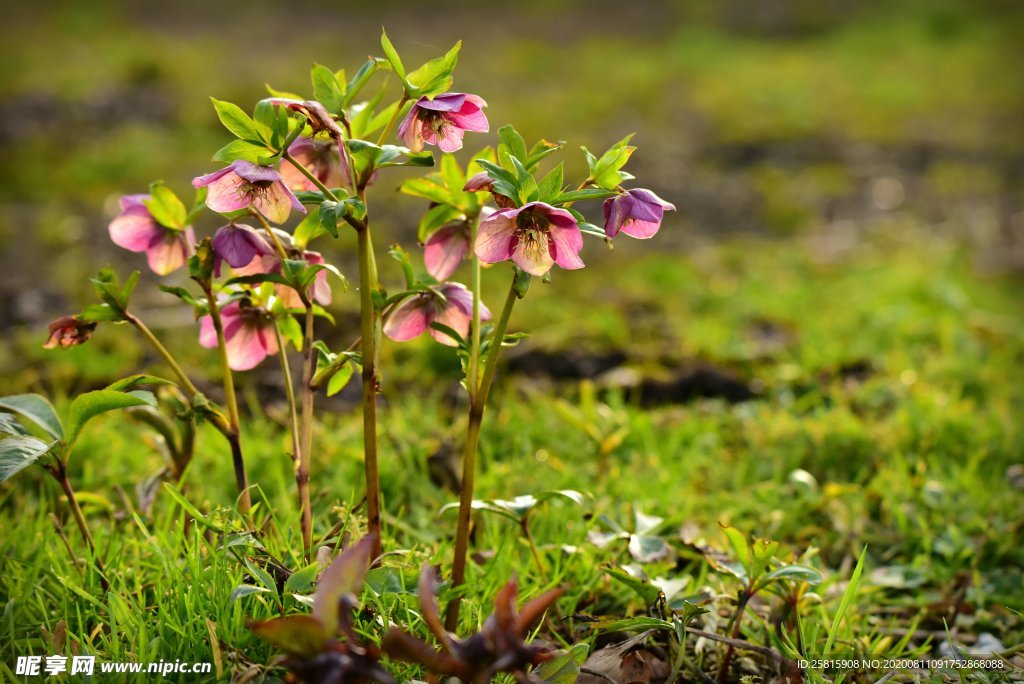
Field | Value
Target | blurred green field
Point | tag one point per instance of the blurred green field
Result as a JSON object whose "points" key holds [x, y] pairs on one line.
{"points": [[822, 346]]}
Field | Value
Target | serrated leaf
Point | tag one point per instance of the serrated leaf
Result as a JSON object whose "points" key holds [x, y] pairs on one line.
{"points": [[512, 142], [434, 77], [36, 408], [326, 88], [241, 149], [19, 452], [236, 121]]}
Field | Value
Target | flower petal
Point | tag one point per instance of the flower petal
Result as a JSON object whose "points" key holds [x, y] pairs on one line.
{"points": [[410, 318], [171, 252], [411, 130], [277, 203], [239, 245], [202, 181], [534, 258], [495, 236], [135, 230], [444, 250], [226, 193], [565, 246], [247, 347], [455, 318]]}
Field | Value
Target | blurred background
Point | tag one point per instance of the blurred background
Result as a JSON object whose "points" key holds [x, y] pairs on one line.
{"points": [[807, 123]]}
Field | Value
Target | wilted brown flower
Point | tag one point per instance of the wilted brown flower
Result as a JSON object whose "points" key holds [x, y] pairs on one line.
{"points": [[69, 331]]}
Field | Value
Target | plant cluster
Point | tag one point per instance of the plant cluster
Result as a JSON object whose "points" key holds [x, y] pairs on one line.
{"points": [[258, 286]]}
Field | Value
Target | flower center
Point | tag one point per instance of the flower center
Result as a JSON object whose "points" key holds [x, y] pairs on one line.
{"points": [[255, 190], [532, 233]]}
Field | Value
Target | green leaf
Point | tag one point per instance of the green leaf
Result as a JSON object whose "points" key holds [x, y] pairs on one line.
{"points": [[584, 194], [563, 667], [512, 142], [740, 547], [604, 172], [236, 121], [100, 313], [133, 381], [180, 499], [87, 406], [644, 589], [427, 189], [844, 604], [299, 635], [437, 217], [343, 577], [19, 452], [434, 77], [340, 378], [200, 307], [244, 150], [369, 68], [302, 580], [550, 187], [402, 257], [522, 281], [9, 425], [795, 573], [647, 549], [165, 206], [326, 88], [36, 408], [392, 54], [243, 590]]}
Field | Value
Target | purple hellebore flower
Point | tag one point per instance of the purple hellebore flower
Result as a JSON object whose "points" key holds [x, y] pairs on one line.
{"points": [[248, 334], [447, 246], [449, 304], [239, 245], [135, 229], [442, 121], [534, 236], [637, 213], [246, 185], [321, 158]]}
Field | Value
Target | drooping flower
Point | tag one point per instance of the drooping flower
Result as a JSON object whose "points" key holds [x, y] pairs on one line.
{"points": [[442, 121], [534, 236], [239, 245], [135, 229], [637, 213], [446, 247], [322, 160], [480, 182], [319, 291], [246, 185], [500, 646], [69, 331], [449, 304], [248, 334]]}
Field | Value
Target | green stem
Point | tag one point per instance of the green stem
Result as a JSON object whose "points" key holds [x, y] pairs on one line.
{"points": [[235, 423], [368, 326], [390, 127], [477, 402], [524, 525], [734, 633], [278, 247], [60, 472], [312, 177], [472, 377], [289, 390], [163, 352], [306, 432]]}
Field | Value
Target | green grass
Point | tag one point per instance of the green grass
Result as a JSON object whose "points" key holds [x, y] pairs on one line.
{"points": [[910, 462]]}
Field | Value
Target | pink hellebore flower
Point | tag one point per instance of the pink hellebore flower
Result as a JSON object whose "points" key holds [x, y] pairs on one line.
{"points": [[320, 291], [248, 334], [322, 160], [447, 246], [636, 212], [449, 304], [442, 121], [136, 230], [535, 237], [246, 185]]}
